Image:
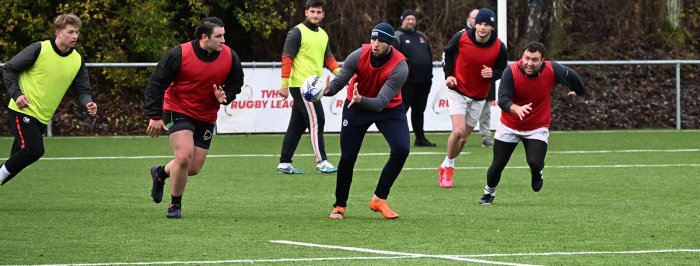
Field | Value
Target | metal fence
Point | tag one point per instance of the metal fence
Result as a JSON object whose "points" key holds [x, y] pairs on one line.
{"points": [[677, 63]]}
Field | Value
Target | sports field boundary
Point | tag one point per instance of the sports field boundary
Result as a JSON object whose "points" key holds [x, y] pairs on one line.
{"points": [[390, 255], [139, 157]]}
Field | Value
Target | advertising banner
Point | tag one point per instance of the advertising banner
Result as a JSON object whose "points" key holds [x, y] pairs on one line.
{"points": [[259, 109]]}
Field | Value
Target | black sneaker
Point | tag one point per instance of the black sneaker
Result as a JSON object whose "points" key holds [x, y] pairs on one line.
{"points": [[487, 199], [537, 182], [423, 143], [158, 184], [174, 211], [487, 143]]}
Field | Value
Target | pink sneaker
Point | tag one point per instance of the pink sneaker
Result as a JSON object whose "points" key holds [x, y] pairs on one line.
{"points": [[445, 176]]}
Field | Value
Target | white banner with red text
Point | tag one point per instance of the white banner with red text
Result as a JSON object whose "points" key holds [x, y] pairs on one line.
{"points": [[260, 109]]}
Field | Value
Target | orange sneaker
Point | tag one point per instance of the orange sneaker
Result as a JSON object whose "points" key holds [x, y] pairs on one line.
{"points": [[445, 176], [337, 213], [380, 205]]}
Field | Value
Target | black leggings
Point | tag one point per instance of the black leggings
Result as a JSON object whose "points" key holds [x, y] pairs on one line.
{"points": [[28, 145], [535, 152]]}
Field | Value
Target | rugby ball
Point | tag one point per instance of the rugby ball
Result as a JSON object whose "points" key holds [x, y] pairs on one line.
{"points": [[312, 89]]}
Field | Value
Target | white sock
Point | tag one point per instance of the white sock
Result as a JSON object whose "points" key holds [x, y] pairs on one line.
{"points": [[321, 163], [448, 162], [490, 190], [284, 165], [4, 173]]}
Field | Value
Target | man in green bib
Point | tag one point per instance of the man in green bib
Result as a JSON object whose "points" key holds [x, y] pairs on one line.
{"points": [[36, 79], [306, 52]]}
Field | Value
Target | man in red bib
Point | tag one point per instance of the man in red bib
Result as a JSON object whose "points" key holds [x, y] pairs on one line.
{"points": [[374, 97], [473, 58], [183, 97], [525, 96]]}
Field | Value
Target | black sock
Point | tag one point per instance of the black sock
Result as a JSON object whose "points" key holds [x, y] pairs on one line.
{"points": [[175, 200], [160, 171]]}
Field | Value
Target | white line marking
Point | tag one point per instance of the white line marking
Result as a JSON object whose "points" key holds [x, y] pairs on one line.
{"points": [[338, 154], [373, 258], [583, 253], [226, 261], [431, 133], [546, 167], [375, 251], [624, 151]]}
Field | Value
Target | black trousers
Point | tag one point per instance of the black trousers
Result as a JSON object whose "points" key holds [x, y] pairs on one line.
{"points": [[305, 115], [415, 96], [393, 125], [28, 145], [535, 152]]}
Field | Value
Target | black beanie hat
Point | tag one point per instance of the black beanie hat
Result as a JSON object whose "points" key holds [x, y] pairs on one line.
{"points": [[406, 13], [486, 15], [384, 32]]}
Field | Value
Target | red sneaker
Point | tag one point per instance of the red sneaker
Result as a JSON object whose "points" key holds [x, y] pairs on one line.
{"points": [[445, 176]]}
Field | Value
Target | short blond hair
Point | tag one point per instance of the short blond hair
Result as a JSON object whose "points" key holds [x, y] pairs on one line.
{"points": [[67, 19]]}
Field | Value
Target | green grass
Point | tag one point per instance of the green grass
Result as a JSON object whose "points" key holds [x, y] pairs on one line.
{"points": [[98, 210]]}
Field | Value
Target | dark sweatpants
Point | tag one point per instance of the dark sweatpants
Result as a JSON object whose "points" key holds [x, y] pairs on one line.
{"points": [[535, 152], [415, 96], [28, 145], [304, 115], [393, 126]]}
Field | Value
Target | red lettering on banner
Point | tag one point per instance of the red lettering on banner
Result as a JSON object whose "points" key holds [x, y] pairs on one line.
{"points": [[256, 104], [281, 104], [270, 94], [287, 104], [443, 103]]}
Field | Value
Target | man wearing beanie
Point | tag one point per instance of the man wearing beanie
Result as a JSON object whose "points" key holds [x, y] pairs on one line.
{"points": [[473, 58], [485, 118], [373, 98], [306, 51], [415, 46]]}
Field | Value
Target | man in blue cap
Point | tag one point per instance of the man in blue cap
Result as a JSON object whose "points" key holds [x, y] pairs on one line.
{"points": [[374, 97]]}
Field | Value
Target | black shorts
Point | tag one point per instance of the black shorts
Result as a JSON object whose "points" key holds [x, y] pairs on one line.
{"points": [[202, 131]]}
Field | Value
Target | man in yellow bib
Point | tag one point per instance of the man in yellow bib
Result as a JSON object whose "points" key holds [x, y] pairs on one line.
{"points": [[306, 51], [37, 78]]}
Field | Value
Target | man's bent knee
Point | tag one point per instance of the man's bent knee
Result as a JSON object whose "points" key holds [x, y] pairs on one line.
{"points": [[34, 152], [183, 160]]}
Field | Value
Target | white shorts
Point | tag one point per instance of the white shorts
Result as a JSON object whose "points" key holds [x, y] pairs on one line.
{"points": [[463, 105], [506, 134]]}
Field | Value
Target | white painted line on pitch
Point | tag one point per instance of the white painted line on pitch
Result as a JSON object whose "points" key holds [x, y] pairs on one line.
{"points": [[374, 258], [546, 167], [624, 151], [225, 261], [584, 253], [338, 154], [375, 251]]}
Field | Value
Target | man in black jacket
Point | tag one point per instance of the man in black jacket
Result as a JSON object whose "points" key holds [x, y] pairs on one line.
{"points": [[415, 46]]}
